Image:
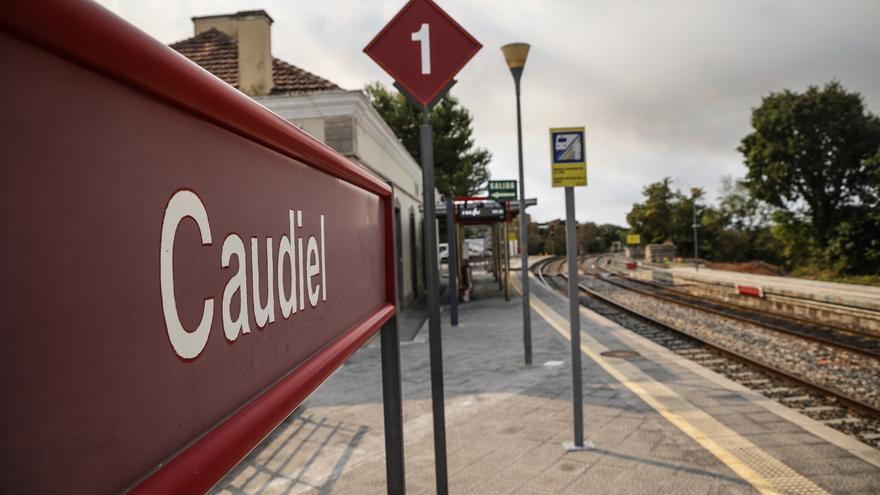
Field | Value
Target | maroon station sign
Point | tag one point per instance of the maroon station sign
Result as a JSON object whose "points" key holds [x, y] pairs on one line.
{"points": [[422, 48], [181, 266]]}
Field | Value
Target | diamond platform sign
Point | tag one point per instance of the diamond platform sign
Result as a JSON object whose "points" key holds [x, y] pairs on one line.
{"points": [[422, 48]]}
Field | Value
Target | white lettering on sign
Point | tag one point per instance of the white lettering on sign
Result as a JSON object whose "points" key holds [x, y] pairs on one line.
{"points": [[236, 284], [290, 267], [423, 36], [184, 204]]}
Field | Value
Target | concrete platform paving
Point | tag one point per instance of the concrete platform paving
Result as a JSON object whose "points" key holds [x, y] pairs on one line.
{"points": [[660, 424]]}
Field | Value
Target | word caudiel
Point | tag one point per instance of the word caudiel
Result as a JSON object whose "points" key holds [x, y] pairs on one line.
{"points": [[303, 258]]}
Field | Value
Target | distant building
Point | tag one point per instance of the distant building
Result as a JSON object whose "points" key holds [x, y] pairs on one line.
{"points": [[634, 252], [659, 253], [237, 48]]}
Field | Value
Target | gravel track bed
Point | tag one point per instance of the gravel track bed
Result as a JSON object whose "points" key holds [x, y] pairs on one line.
{"points": [[854, 375], [854, 342]]}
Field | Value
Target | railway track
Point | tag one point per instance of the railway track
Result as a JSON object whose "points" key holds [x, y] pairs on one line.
{"points": [[851, 341], [840, 410]]}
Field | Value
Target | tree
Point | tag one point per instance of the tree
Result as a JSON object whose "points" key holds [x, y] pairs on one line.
{"points": [[814, 156], [607, 234], [592, 238], [667, 214], [587, 241], [746, 222], [460, 168], [536, 240], [651, 218]]}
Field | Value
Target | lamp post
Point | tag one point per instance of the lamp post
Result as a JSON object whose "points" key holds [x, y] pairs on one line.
{"points": [[515, 54]]}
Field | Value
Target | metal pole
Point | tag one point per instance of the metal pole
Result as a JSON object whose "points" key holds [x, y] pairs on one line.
{"points": [[462, 269], [574, 317], [435, 346], [523, 230], [506, 260], [496, 249], [392, 404], [451, 263], [696, 249]]}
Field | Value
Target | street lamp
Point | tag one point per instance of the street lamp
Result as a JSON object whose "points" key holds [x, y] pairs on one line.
{"points": [[515, 54]]}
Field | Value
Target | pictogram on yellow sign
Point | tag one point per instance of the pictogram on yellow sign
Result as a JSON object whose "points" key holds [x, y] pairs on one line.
{"points": [[568, 157]]}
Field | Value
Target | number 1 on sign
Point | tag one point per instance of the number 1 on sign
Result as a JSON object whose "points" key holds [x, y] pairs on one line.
{"points": [[423, 36]]}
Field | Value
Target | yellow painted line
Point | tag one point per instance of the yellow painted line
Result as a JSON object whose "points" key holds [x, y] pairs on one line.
{"points": [[763, 471]]}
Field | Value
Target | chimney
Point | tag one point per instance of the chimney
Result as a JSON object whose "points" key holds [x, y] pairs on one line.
{"points": [[252, 30]]}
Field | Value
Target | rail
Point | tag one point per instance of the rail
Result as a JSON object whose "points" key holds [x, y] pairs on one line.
{"points": [[843, 398], [857, 343]]}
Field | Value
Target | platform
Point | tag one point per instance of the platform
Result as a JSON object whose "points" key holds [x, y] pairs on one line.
{"points": [[857, 296], [661, 424]]}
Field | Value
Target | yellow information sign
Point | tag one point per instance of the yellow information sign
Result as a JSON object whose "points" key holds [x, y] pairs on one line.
{"points": [[568, 157], [633, 239]]}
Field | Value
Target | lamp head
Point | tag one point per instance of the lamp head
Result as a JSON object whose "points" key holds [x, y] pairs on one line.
{"points": [[515, 54]]}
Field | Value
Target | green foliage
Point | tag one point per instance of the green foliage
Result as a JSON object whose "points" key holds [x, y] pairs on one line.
{"points": [[651, 218], [665, 215], [739, 228], [810, 198], [735, 230], [460, 168], [549, 237], [815, 157], [594, 238], [536, 241]]}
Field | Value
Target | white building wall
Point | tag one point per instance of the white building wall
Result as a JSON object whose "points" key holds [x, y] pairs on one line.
{"points": [[314, 126]]}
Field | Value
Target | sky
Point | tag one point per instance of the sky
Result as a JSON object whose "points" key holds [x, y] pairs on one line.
{"points": [[664, 88]]}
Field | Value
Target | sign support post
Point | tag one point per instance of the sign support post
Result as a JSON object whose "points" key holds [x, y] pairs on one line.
{"points": [[504, 191], [434, 336], [392, 400], [451, 261], [424, 81], [574, 317], [569, 165]]}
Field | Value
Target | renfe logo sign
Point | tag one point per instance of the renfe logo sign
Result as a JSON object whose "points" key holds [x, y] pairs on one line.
{"points": [[181, 267], [297, 261]]}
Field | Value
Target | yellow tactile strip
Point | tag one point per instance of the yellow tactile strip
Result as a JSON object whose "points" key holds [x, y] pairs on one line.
{"points": [[763, 471]]}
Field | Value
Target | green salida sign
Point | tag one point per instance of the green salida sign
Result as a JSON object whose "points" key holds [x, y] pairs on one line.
{"points": [[502, 190]]}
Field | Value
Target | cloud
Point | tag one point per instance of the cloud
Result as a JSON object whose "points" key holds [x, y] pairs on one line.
{"points": [[664, 88]]}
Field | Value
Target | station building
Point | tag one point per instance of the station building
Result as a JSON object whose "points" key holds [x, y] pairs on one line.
{"points": [[237, 48]]}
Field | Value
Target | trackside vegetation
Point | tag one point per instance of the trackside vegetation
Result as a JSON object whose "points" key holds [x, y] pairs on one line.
{"points": [[810, 198]]}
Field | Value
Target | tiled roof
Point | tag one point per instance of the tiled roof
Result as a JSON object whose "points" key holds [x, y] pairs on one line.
{"points": [[290, 79], [215, 51], [218, 53]]}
